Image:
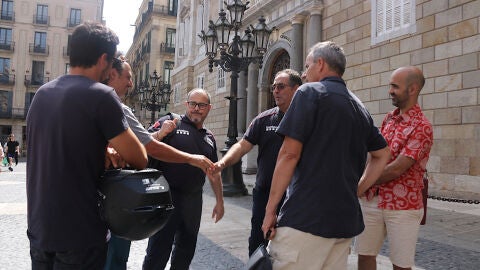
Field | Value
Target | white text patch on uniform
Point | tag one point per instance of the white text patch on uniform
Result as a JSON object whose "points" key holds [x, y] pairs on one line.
{"points": [[183, 132], [271, 128]]}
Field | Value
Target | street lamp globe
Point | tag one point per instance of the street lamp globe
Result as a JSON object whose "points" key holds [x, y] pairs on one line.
{"points": [[235, 56]]}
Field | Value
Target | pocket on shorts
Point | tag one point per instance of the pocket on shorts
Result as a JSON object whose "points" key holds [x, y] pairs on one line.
{"points": [[281, 252]]}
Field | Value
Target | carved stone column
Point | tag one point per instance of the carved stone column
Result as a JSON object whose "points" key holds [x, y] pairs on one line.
{"points": [[249, 161], [297, 43], [242, 102], [314, 27]]}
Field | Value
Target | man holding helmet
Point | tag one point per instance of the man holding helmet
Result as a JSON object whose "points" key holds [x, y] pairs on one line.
{"points": [[120, 78]]}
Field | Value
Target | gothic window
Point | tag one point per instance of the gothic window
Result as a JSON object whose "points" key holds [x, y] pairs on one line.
{"points": [[281, 62]]}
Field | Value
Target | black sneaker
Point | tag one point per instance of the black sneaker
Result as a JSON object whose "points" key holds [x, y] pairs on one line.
{"points": [[10, 168]]}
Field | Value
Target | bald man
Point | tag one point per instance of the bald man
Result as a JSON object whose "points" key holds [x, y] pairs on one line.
{"points": [[397, 195]]}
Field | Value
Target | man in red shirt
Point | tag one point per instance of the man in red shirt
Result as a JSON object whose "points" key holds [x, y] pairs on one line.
{"points": [[394, 207]]}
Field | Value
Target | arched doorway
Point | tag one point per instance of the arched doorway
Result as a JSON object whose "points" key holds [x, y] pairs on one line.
{"points": [[282, 61]]}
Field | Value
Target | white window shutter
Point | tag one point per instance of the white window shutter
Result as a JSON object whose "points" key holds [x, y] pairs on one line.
{"points": [[391, 19]]}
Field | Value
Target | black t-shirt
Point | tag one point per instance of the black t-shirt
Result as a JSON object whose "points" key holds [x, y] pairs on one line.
{"points": [[261, 132], [336, 131], [12, 146], [187, 138], [69, 124]]}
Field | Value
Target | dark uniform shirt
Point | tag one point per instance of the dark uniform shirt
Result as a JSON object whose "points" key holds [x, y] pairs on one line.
{"points": [[187, 138], [261, 132], [336, 131]]}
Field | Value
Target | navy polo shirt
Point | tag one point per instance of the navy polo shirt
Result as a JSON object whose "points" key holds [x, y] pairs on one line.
{"points": [[261, 132], [187, 138], [336, 131]]}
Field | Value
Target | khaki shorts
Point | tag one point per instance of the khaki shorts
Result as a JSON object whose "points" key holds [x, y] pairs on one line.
{"points": [[294, 249], [400, 226]]}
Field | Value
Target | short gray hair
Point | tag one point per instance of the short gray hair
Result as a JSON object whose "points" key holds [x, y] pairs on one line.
{"points": [[330, 53]]}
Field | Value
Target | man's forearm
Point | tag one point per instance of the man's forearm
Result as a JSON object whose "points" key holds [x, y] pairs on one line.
{"points": [[395, 169], [287, 160], [236, 152], [374, 169], [216, 183], [166, 153]]}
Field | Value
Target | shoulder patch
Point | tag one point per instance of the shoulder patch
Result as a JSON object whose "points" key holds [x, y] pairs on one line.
{"points": [[268, 113]]}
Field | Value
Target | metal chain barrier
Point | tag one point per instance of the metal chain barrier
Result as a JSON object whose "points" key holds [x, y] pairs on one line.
{"points": [[446, 199]]}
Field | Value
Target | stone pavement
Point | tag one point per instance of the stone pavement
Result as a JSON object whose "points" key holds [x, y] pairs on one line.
{"points": [[450, 240]]}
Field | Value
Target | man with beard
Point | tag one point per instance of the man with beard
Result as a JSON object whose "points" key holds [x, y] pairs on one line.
{"points": [[394, 206], [121, 80], [70, 122], [262, 132], [186, 184]]}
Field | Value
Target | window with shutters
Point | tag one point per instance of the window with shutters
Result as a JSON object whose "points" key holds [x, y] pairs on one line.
{"points": [[202, 20], [167, 71], [392, 18], [177, 95], [220, 80], [201, 80]]}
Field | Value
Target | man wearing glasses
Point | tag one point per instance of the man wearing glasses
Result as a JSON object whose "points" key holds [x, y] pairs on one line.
{"points": [[186, 184], [261, 132], [120, 78]]}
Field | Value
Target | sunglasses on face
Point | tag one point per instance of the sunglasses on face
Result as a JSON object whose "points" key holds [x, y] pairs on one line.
{"points": [[193, 104], [279, 86]]}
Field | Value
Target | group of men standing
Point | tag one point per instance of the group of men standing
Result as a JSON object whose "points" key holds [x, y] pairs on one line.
{"points": [[319, 152]]}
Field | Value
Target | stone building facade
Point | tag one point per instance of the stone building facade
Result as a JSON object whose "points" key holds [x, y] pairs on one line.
{"points": [[153, 49], [33, 50], [439, 36]]}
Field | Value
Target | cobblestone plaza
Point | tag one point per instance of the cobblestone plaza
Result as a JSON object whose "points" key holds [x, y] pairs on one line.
{"points": [[450, 240]]}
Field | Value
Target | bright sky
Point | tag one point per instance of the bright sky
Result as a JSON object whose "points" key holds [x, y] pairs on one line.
{"points": [[119, 16]]}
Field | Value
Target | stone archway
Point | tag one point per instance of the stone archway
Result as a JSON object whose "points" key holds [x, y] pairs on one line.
{"points": [[280, 62]]}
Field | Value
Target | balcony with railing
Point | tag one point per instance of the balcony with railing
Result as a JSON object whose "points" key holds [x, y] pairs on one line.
{"points": [[6, 79], [38, 49], [167, 48], [152, 9], [7, 46], [34, 81], [39, 19], [7, 16]]}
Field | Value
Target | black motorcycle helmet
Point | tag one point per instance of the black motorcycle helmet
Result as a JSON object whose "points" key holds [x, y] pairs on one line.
{"points": [[135, 204]]}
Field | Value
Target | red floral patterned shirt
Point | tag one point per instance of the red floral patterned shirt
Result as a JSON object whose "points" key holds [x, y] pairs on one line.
{"points": [[410, 135]]}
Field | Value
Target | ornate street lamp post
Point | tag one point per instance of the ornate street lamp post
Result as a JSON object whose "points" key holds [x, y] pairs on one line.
{"points": [[155, 95], [235, 56]]}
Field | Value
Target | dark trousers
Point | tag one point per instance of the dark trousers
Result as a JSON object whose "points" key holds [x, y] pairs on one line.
{"points": [[91, 258], [117, 255], [180, 231], [260, 199]]}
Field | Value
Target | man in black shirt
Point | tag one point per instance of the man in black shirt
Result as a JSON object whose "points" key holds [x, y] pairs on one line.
{"points": [[186, 184], [12, 150], [327, 136], [261, 132], [70, 122]]}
